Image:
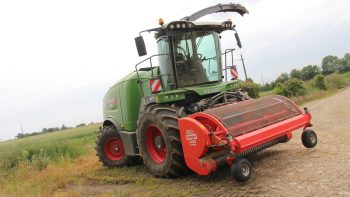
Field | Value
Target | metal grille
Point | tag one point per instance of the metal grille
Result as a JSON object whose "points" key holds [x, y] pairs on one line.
{"points": [[243, 117]]}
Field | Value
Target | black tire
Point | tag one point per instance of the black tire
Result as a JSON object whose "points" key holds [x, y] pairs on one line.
{"points": [[108, 137], [241, 169], [309, 138], [164, 159]]}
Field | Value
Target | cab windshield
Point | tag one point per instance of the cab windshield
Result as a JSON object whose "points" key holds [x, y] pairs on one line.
{"points": [[197, 58]]}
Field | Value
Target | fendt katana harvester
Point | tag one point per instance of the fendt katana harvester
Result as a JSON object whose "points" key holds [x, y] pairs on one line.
{"points": [[184, 115]]}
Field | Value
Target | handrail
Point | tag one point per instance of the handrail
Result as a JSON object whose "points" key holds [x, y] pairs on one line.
{"points": [[149, 58], [225, 53], [137, 73]]}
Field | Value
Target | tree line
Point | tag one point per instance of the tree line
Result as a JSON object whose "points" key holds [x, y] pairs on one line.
{"points": [[330, 64], [48, 130]]}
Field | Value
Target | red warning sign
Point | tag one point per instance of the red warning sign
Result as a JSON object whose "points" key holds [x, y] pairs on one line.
{"points": [[155, 85], [234, 73]]}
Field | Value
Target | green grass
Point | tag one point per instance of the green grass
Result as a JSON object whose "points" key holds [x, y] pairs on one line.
{"points": [[266, 93], [41, 149], [346, 75], [27, 157]]}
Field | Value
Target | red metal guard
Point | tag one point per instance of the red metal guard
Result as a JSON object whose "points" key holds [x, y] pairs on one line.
{"points": [[250, 123]]}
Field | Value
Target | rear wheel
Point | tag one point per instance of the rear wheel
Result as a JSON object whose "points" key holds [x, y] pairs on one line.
{"points": [[110, 148], [159, 141], [309, 138]]}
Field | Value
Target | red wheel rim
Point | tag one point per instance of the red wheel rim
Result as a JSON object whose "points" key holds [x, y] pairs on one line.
{"points": [[158, 154], [114, 149]]}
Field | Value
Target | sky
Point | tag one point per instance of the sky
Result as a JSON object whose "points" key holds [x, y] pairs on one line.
{"points": [[58, 58]]}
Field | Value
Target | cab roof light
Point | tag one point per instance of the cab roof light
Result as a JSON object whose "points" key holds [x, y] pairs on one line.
{"points": [[227, 24], [161, 21], [179, 25]]}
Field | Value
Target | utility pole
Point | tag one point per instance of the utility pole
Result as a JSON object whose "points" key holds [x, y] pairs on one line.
{"points": [[245, 72], [262, 80], [22, 128]]}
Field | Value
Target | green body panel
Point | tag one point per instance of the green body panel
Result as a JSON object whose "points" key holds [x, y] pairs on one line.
{"points": [[122, 101], [171, 96], [202, 90]]}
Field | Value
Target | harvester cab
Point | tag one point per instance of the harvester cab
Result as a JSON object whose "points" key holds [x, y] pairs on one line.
{"points": [[190, 51], [181, 116]]}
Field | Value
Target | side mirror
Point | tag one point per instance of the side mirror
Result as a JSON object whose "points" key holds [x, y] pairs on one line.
{"points": [[239, 44], [140, 45]]}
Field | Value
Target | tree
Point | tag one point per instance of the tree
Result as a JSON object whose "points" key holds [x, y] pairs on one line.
{"points": [[265, 87], [19, 135], [345, 63], [330, 64], [308, 72], [64, 127], [346, 58], [290, 88], [295, 73], [320, 82], [280, 89], [344, 68], [251, 88], [295, 86], [249, 80], [280, 79]]}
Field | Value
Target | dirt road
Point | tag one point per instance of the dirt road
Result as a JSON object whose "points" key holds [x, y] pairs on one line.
{"points": [[284, 170]]}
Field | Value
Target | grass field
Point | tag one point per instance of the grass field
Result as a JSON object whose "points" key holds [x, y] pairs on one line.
{"points": [[24, 160]]}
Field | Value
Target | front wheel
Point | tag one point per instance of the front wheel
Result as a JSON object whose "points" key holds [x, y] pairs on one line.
{"points": [[159, 142], [110, 148]]}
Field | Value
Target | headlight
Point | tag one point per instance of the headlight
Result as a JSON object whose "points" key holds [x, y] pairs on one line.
{"points": [[180, 25]]}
